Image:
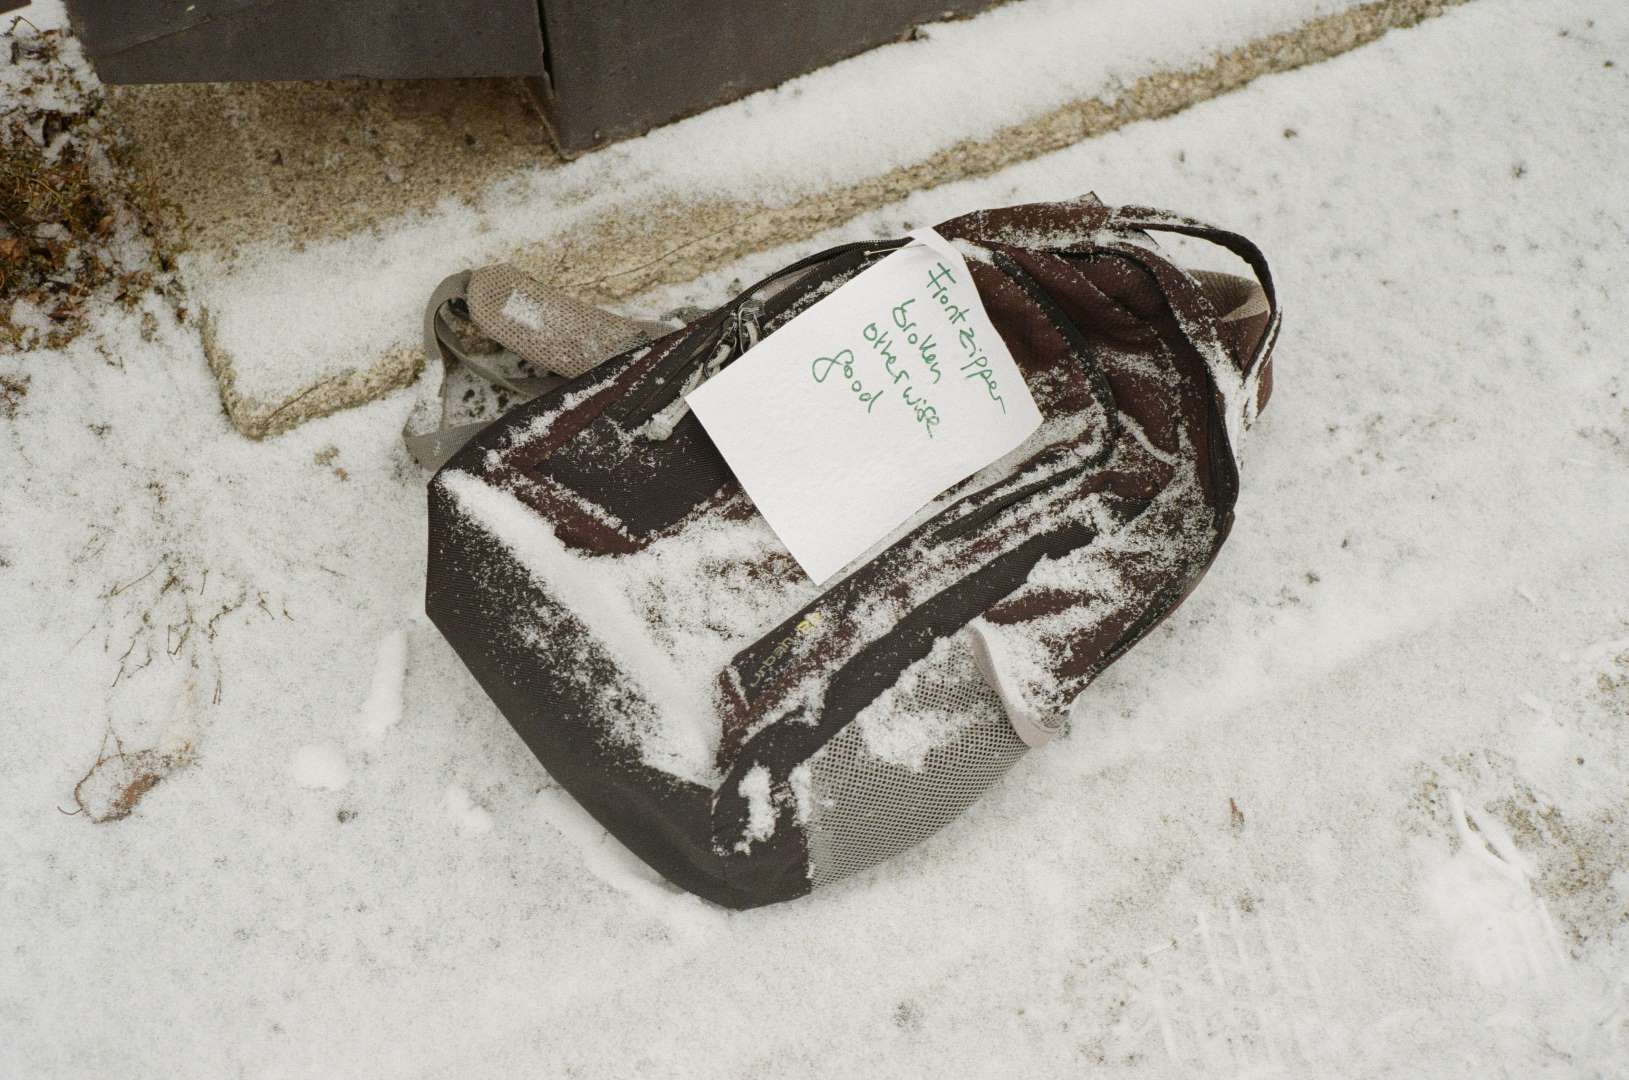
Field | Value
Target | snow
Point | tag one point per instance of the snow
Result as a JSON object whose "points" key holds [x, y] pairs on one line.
{"points": [[619, 869], [320, 765], [647, 611], [1311, 827], [924, 709], [801, 784], [754, 788], [383, 708], [467, 817], [1500, 930]]}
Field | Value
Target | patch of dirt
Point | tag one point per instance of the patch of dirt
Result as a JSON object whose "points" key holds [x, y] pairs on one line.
{"points": [[77, 222], [326, 457], [1577, 861], [13, 388], [1612, 680], [1576, 858]]}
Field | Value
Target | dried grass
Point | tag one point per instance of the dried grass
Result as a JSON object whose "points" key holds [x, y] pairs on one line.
{"points": [[77, 222]]}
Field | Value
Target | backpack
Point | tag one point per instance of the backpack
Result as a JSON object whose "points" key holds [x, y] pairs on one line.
{"points": [[750, 735]]}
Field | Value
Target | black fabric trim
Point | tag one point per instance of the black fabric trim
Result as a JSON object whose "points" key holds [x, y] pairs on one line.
{"points": [[1079, 348], [1224, 472]]}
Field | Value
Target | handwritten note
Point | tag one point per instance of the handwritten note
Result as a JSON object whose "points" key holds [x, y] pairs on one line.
{"points": [[861, 410]]}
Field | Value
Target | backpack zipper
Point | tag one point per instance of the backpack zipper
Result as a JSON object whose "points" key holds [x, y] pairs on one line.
{"points": [[748, 325], [740, 325]]}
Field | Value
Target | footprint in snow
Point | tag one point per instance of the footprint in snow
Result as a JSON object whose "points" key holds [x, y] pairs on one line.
{"points": [[1238, 994], [1497, 928]]}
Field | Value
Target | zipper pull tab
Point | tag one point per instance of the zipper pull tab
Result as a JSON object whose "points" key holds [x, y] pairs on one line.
{"points": [[748, 330]]}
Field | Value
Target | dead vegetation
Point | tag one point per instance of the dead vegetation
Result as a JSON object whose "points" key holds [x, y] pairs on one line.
{"points": [[160, 619], [76, 220], [13, 388], [1612, 680], [172, 612], [113, 786]]}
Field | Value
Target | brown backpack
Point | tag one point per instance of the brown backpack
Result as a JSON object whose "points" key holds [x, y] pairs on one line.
{"points": [[752, 736]]}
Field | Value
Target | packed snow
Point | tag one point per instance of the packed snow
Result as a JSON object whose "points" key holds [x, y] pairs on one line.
{"points": [[467, 817], [383, 708], [1357, 809], [760, 806], [320, 765]]}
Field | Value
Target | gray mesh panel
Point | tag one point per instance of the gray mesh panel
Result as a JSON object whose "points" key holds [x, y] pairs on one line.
{"points": [[867, 809], [543, 325]]}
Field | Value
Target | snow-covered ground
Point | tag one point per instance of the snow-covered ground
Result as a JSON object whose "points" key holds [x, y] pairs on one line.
{"points": [[1361, 808]]}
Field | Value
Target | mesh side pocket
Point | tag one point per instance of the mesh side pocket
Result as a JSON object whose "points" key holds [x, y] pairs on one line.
{"points": [[867, 809]]}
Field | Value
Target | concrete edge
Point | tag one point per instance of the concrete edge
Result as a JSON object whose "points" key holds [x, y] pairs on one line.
{"points": [[647, 257], [394, 369]]}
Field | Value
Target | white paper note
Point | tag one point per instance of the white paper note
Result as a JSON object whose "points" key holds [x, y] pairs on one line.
{"points": [[857, 413]]}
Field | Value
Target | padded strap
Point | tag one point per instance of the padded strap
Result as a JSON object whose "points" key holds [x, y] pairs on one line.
{"points": [[548, 328]]}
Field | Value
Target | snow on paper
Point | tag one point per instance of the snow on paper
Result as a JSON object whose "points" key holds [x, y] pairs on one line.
{"points": [[868, 404]]}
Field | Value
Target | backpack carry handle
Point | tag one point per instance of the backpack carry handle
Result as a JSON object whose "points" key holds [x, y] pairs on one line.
{"points": [[1149, 220]]}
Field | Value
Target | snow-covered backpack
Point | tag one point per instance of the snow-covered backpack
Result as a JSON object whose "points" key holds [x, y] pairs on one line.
{"points": [[753, 736]]}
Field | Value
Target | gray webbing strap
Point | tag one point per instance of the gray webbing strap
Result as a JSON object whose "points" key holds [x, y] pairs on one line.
{"points": [[431, 449]]}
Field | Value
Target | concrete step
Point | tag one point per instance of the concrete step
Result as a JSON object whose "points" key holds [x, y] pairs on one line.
{"points": [[317, 218]]}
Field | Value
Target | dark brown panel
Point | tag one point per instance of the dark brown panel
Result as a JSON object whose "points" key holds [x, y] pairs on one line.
{"points": [[295, 40], [620, 67]]}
